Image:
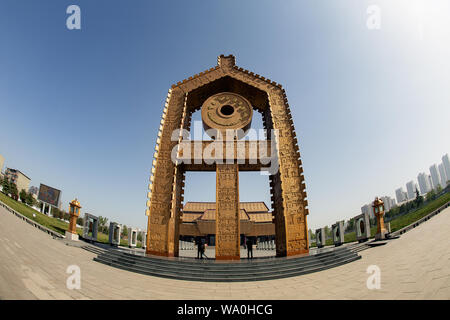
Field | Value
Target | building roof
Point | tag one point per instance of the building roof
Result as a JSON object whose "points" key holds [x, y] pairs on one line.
{"points": [[210, 215], [19, 172], [206, 211], [231, 60], [249, 207]]}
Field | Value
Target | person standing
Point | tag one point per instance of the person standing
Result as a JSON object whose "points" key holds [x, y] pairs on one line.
{"points": [[249, 244], [202, 249], [199, 247]]}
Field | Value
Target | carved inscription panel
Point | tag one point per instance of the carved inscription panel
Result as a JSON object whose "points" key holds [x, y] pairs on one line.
{"points": [[227, 210]]}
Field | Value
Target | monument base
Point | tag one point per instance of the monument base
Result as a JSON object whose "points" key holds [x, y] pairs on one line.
{"points": [[161, 254], [228, 257], [71, 236], [298, 252], [381, 235]]}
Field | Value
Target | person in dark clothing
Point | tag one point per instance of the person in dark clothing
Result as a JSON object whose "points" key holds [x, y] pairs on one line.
{"points": [[199, 247], [249, 244], [202, 248]]}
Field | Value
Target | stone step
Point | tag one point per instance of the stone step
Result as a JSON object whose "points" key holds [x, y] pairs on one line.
{"points": [[199, 270], [93, 249], [212, 266], [230, 278]]}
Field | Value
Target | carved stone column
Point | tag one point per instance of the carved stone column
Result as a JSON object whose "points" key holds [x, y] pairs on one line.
{"points": [[160, 228], [227, 212]]}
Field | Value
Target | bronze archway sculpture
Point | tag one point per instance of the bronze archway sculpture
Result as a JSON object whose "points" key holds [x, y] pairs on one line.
{"points": [[231, 89]]}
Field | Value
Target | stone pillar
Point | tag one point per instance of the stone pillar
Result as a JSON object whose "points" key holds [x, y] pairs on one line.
{"points": [[144, 240], [160, 219], [338, 233], [73, 224], [173, 233], [132, 238], [381, 229], [114, 233], [227, 212], [88, 220]]}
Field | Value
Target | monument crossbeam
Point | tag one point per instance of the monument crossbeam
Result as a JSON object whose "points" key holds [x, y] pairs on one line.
{"points": [[204, 155]]}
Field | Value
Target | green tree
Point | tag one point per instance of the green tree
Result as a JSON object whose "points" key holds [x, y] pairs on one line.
{"points": [[327, 232], [13, 191], [23, 195], [30, 199], [102, 221], [419, 199], [6, 186], [57, 213], [431, 195], [124, 231], [350, 225]]}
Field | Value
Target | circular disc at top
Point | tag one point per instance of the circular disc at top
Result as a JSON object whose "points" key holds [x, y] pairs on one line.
{"points": [[227, 110]]}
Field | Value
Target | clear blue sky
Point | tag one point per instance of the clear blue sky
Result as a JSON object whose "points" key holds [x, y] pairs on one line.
{"points": [[80, 109]]}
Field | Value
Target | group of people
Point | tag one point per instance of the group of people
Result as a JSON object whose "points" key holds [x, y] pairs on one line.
{"points": [[201, 244]]}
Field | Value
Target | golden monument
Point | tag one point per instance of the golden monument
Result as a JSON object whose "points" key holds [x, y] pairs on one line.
{"points": [[74, 211], [378, 210], [227, 96]]}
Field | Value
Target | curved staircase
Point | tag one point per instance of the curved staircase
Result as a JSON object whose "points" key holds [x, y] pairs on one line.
{"points": [[211, 270]]}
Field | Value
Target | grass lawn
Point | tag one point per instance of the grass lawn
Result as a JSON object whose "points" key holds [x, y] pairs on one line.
{"points": [[405, 220], [50, 222]]}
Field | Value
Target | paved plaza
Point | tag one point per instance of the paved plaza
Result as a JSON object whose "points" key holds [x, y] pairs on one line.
{"points": [[33, 266]]}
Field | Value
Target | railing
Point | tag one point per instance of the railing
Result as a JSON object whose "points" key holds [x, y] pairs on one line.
{"points": [[266, 245], [186, 245], [33, 223]]}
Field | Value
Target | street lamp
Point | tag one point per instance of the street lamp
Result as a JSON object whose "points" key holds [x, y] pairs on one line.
{"points": [[378, 210], [74, 211]]}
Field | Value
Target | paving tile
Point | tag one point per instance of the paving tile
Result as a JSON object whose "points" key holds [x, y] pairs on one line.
{"points": [[415, 266]]}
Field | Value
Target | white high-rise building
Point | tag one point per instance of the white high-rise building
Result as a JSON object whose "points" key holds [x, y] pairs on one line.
{"points": [[393, 203], [401, 195], [424, 183], [367, 208], [443, 175], [411, 189], [435, 178], [389, 203], [446, 163]]}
